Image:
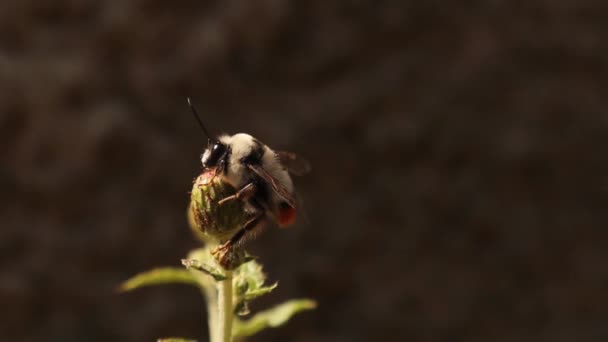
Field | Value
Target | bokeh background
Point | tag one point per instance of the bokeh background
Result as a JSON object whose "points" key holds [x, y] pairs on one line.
{"points": [[459, 188]]}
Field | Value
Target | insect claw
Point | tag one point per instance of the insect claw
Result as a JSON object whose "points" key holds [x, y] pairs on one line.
{"points": [[222, 254], [221, 249]]}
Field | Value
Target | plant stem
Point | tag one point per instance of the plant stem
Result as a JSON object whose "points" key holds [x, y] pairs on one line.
{"points": [[225, 312], [211, 300]]}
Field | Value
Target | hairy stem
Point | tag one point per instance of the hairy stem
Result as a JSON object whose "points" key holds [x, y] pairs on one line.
{"points": [[225, 312], [211, 300]]}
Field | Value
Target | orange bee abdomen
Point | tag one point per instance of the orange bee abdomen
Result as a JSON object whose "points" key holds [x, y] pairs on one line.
{"points": [[286, 217]]}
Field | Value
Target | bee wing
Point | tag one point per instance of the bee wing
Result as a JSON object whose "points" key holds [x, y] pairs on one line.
{"points": [[295, 164], [275, 184], [302, 213]]}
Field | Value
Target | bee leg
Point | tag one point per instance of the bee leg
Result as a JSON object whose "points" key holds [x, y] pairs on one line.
{"points": [[224, 248], [250, 225], [245, 192]]}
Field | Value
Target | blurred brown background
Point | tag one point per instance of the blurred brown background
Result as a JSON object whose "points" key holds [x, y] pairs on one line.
{"points": [[459, 188]]}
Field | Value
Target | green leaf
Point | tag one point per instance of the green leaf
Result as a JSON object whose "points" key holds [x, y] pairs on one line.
{"points": [[203, 255], [255, 293], [248, 284], [207, 269], [251, 272], [158, 276], [174, 339], [271, 318]]}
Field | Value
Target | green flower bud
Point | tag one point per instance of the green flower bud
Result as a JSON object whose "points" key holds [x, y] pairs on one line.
{"points": [[212, 222]]}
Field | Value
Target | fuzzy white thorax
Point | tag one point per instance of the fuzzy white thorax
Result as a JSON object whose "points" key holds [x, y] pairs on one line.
{"points": [[238, 175]]}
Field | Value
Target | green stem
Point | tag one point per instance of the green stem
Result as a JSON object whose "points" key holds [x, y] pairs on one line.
{"points": [[225, 312], [211, 300]]}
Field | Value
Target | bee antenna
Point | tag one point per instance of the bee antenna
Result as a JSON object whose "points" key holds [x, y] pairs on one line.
{"points": [[198, 118]]}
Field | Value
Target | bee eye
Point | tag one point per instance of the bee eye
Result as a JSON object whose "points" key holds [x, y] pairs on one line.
{"points": [[214, 154]]}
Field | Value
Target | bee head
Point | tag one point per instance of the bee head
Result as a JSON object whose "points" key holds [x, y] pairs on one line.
{"points": [[214, 154], [216, 151]]}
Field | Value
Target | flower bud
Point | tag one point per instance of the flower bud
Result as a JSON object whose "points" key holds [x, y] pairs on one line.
{"points": [[213, 222]]}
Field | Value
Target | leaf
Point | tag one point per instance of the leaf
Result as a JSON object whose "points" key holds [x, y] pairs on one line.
{"points": [[252, 273], [174, 339], [158, 276], [207, 269], [271, 318], [249, 281], [248, 284], [255, 293]]}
